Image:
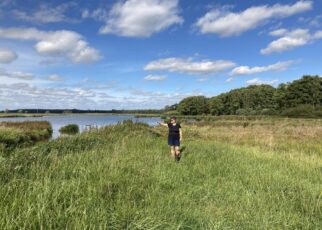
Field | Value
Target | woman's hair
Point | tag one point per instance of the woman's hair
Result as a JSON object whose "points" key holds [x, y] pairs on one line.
{"points": [[173, 118]]}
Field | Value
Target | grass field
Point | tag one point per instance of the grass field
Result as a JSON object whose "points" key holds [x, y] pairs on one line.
{"points": [[234, 174]]}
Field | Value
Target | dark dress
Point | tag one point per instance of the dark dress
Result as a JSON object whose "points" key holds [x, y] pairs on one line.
{"points": [[174, 134]]}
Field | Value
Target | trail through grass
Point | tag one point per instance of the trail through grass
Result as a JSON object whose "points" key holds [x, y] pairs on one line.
{"points": [[122, 177]]}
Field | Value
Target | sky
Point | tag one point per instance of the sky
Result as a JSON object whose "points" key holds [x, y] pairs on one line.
{"points": [[146, 54]]}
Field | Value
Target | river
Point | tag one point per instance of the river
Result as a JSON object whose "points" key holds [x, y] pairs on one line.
{"points": [[84, 121]]}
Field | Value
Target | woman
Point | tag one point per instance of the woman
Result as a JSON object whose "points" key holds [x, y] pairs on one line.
{"points": [[174, 137]]}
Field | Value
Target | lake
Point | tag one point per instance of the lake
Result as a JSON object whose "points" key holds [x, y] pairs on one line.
{"points": [[84, 121]]}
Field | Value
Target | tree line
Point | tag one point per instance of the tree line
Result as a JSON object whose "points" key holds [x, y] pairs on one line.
{"points": [[301, 97]]}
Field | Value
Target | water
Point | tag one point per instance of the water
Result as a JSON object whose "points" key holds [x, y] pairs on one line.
{"points": [[83, 121]]}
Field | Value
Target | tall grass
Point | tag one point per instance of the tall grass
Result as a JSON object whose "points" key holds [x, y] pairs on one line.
{"points": [[122, 177], [13, 134]]}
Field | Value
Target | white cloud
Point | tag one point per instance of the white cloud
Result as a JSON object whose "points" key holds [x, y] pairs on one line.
{"points": [[141, 18], [17, 75], [45, 14], [189, 66], [246, 70], [229, 79], [64, 43], [85, 13], [225, 23], [155, 78], [315, 21], [23, 95], [257, 81], [290, 39], [203, 79], [278, 32], [317, 35], [5, 3], [7, 56], [99, 14], [54, 77]]}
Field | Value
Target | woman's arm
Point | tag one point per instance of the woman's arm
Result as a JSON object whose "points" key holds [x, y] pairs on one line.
{"points": [[163, 124], [180, 131]]}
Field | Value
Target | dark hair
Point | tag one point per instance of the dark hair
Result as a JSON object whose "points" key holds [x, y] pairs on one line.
{"points": [[173, 118]]}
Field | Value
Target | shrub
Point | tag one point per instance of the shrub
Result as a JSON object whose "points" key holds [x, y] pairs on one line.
{"points": [[70, 129], [242, 112], [305, 111], [268, 112]]}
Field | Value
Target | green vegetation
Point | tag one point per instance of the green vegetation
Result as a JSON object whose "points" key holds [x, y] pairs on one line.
{"points": [[70, 129], [244, 173], [9, 115], [14, 134], [193, 106], [291, 99]]}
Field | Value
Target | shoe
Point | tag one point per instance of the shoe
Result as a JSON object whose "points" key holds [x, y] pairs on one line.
{"points": [[178, 158]]}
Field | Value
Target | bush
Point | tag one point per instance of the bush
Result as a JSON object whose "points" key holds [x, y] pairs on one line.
{"points": [[70, 129], [246, 112], [268, 112], [304, 111]]}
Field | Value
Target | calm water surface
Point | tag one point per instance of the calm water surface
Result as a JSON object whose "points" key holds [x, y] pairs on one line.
{"points": [[83, 121]]}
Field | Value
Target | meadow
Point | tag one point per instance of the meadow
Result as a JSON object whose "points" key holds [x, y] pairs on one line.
{"points": [[235, 173]]}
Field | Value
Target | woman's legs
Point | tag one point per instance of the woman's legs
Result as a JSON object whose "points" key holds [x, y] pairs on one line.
{"points": [[177, 150], [173, 150]]}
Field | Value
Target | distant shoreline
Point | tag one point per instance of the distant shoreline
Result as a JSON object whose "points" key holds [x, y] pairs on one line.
{"points": [[14, 115], [20, 115]]}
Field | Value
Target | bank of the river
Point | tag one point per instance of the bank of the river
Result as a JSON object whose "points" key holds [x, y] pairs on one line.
{"points": [[84, 121]]}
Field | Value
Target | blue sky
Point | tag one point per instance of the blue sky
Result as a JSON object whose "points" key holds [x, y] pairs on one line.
{"points": [[129, 54]]}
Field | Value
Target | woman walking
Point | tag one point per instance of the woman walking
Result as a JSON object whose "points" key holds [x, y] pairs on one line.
{"points": [[174, 137]]}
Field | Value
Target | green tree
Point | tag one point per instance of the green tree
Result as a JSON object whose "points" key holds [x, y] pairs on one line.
{"points": [[249, 99], [307, 90], [216, 106], [196, 105]]}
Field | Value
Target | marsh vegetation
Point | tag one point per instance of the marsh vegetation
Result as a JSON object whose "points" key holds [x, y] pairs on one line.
{"points": [[234, 174]]}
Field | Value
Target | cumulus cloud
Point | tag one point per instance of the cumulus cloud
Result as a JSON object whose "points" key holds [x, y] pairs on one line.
{"points": [[140, 18], [45, 14], [17, 75], [155, 78], [246, 70], [224, 23], [7, 56], [64, 43], [290, 40], [257, 81], [189, 66]]}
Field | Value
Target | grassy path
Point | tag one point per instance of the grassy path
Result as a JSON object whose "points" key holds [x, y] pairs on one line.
{"points": [[123, 178]]}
